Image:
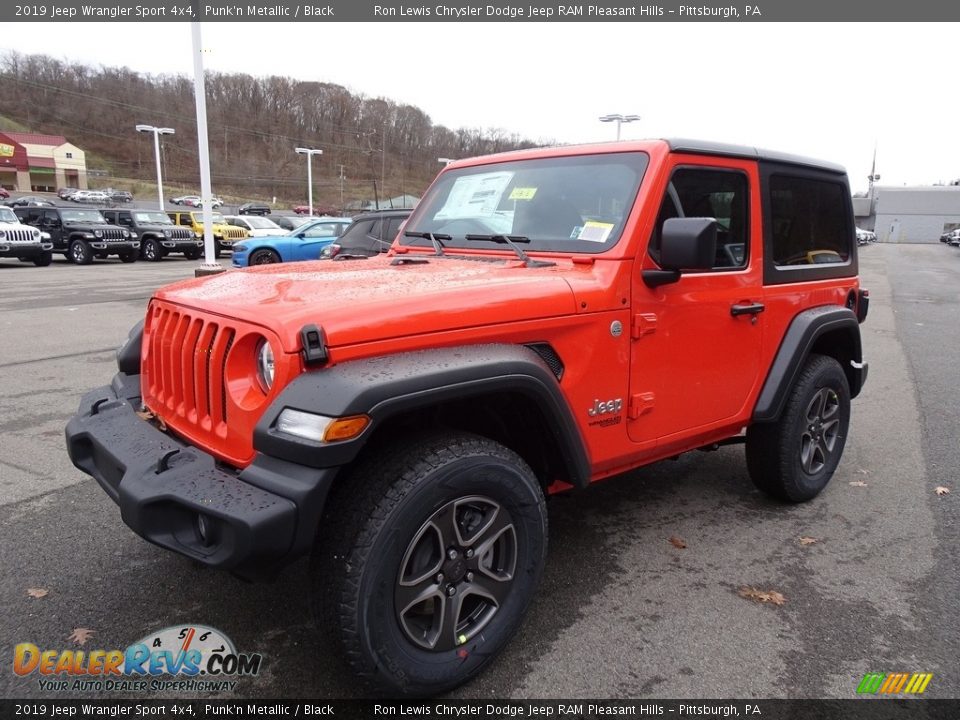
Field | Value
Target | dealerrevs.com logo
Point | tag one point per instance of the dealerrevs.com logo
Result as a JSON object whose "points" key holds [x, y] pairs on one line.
{"points": [[196, 657]]}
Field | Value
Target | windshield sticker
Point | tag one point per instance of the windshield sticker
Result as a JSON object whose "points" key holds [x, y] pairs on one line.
{"points": [[475, 195], [520, 193], [595, 231]]}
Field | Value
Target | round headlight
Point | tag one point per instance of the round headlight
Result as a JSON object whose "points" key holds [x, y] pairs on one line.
{"points": [[2, 234], [98, 233], [126, 233], [167, 233], [265, 365]]}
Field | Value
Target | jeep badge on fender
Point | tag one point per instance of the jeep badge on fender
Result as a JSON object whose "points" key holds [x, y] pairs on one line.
{"points": [[544, 316]]}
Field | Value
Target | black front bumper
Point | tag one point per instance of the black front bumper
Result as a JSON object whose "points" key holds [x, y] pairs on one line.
{"points": [[251, 522], [26, 252]]}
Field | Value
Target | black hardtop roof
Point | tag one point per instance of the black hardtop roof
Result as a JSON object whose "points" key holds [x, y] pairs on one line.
{"points": [[744, 151]]}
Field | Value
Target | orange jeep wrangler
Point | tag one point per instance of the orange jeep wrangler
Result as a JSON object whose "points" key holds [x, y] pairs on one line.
{"points": [[546, 319]]}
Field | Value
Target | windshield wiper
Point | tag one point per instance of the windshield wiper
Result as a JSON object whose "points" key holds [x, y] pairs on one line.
{"points": [[511, 241], [434, 238]]}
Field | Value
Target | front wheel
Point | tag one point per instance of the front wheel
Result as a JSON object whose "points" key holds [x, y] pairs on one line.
{"points": [[151, 250], [43, 259], [80, 252], [794, 458], [264, 257], [428, 562]]}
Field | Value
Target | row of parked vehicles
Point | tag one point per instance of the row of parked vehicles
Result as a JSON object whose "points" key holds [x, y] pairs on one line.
{"points": [[951, 237], [35, 233]]}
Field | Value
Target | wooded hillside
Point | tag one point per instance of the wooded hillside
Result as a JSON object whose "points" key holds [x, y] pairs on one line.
{"points": [[254, 124]]}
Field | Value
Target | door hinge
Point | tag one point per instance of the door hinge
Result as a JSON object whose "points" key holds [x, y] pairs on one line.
{"points": [[640, 404], [643, 324]]}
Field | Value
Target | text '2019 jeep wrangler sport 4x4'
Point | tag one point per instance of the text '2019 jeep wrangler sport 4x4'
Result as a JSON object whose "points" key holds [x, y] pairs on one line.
{"points": [[546, 319]]}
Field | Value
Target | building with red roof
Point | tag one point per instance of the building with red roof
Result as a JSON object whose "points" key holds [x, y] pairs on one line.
{"points": [[32, 162]]}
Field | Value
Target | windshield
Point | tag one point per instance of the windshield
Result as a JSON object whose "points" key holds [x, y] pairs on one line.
{"points": [[157, 218], [7, 215], [568, 204], [90, 216], [258, 223]]}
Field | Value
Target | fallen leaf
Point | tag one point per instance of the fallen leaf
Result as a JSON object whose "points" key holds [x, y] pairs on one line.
{"points": [[762, 596], [941, 490], [145, 415], [858, 483], [807, 540], [37, 592], [862, 471], [677, 542], [81, 635]]}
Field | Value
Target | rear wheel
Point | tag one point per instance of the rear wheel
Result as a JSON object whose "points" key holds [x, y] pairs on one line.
{"points": [[80, 252], [429, 569], [794, 458], [263, 256], [43, 259]]}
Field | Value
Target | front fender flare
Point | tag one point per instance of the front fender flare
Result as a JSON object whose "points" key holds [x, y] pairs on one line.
{"points": [[384, 386]]}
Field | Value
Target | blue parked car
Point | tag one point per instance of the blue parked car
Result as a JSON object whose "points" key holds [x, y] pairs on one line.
{"points": [[304, 243]]}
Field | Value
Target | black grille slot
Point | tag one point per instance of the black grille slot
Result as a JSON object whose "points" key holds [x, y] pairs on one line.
{"points": [[549, 356]]}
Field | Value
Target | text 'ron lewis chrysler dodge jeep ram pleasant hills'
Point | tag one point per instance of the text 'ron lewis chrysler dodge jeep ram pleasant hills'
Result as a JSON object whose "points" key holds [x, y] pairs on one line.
{"points": [[545, 319]]}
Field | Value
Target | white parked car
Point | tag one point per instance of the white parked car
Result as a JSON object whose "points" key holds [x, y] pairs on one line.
{"points": [[256, 225]]}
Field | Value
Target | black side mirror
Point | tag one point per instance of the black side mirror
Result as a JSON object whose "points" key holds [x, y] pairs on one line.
{"points": [[685, 244]]}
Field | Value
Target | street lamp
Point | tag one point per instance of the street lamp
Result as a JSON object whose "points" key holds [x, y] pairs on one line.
{"points": [[619, 119], [309, 152], [157, 132]]}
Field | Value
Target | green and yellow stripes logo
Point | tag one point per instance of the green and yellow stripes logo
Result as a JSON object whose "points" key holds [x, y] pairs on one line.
{"points": [[894, 683]]}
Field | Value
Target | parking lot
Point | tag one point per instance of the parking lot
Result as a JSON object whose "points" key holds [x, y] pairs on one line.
{"points": [[621, 612]]}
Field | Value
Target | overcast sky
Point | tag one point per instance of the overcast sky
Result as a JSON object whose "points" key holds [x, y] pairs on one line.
{"points": [[831, 91]]}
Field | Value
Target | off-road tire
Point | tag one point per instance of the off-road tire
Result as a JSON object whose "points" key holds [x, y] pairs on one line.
{"points": [[151, 250], [80, 252], [263, 256], [794, 458], [43, 259], [368, 540]]}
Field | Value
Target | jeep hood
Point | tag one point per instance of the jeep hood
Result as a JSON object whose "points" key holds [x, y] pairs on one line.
{"points": [[357, 301]]}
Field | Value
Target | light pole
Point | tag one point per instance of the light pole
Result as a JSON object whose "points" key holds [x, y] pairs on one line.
{"points": [[619, 119], [157, 132], [309, 152]]}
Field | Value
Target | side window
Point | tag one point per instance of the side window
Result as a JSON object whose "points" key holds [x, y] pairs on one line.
{"points": [[809, 222], [393, 227], [376, 229], [50, 217], [720, 194], [321, 230]]}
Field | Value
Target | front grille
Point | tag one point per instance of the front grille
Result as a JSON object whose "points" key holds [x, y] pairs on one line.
{"points": [[20, 236], [234, 233], [181, 234], [112, 234], [184, 369]]}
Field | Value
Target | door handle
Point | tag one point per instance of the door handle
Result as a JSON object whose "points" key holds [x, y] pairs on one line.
{"points": [[747, 309]]}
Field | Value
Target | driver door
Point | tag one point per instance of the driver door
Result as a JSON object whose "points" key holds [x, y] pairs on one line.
{"points": [[694, 361], [313, 240]]}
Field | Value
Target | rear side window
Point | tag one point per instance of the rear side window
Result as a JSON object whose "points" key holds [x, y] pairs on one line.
{"points": [[809, 222]]}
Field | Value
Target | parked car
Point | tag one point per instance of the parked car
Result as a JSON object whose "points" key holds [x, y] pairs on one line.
{"points": [[256, 225], [182, 199], [23, 242], [157, 234], [81, 234], [945, 238], [90, 196], [304, 243], [224, 235], [65, 192], [28, 201], [122, 196], [4, 193], [254, 208], [370, 234], [954, 238], [291, 222], [863, 236], [215, 202], [317, 210], [403, 420]]}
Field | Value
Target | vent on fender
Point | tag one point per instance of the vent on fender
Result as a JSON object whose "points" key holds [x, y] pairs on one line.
{"points": [[549, 356]]}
